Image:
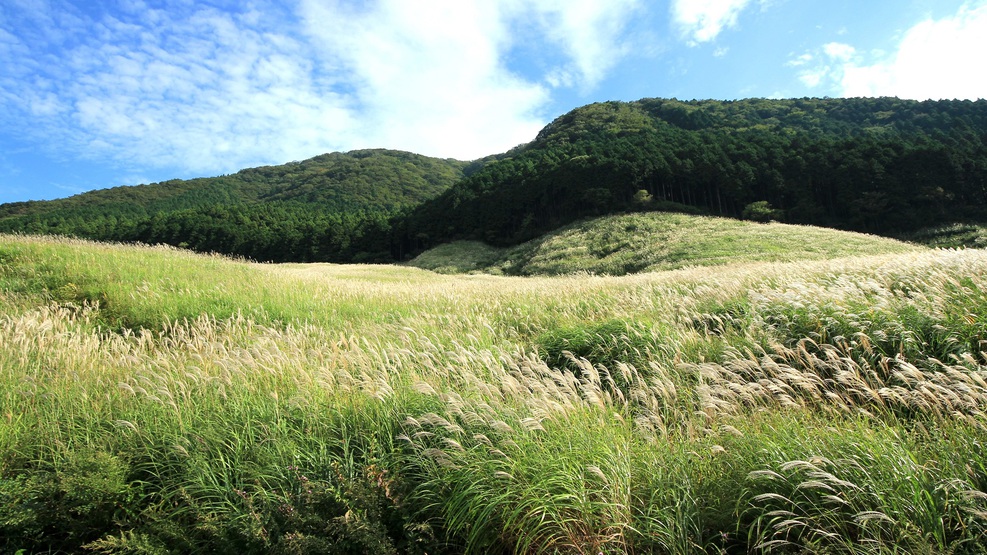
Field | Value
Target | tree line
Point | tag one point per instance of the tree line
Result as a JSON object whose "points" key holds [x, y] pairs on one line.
{"points": [[878, 165], [335, 207], [882, 166]]}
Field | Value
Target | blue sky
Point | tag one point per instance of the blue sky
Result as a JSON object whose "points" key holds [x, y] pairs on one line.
{"points": [[122, 92]]}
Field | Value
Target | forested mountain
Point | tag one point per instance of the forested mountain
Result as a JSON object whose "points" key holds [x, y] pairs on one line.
{"points": [[308, 210], [880, 165]]}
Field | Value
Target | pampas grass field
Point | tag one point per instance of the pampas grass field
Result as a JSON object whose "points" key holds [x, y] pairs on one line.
{"points": [[156, 401], [654, 241]]}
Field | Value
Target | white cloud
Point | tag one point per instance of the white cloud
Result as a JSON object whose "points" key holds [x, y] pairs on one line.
{"points": [[559, 77], [207, 91], [936, 59], [432, 77], [933, 60], [801, 60], [703, 20], [194, 88], [826, 63], [588, 30], [839, 51], [813, 77], [428, 74]]}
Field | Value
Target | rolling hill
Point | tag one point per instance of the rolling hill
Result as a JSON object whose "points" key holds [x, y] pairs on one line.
{"points": [[632, 243], [267, 213], [876, 165], [881, 166]]}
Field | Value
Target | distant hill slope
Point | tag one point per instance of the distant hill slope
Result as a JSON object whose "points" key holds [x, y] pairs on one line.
{"points": [[357, 180], [883, 166], [630, 243], [878, 165], [281, 212]]}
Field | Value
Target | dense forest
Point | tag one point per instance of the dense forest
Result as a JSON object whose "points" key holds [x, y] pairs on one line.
{"points": [[879, 165], [334, 207]]}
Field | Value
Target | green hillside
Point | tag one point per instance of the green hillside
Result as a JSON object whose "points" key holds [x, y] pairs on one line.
{"points": [[155, 401], [297, 211], [876, 165], [951, 236], [882, 166], [631, 243]]}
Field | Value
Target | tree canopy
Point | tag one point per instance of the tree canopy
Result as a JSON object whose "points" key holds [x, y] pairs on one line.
{"points": [[325, 208], [878, 165]]}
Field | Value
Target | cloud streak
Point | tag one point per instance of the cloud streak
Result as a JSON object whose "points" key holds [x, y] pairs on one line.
{"points": [[702, 20], [214, 89], [426, 72]]}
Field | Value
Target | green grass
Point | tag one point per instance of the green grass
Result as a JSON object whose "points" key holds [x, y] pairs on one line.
{"points": [[631, 243], [461, 257], [155, 401], [962, 235]]}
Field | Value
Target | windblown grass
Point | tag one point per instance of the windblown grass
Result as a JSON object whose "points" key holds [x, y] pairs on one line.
{"points": [[959, 235], [631, 243], [153, 401]]}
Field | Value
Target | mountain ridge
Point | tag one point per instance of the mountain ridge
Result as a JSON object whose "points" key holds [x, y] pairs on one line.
{"points": [[880, 165], [265, 183], [876, 165], [300, 211]]}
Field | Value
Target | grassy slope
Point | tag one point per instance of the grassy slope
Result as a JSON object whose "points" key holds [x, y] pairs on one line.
{"points": [[953, 236], [313, 408], [720, 157], [618, 245]]}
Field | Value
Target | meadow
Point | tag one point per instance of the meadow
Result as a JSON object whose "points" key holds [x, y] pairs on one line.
{"points": [[157, 401], [654, 241]]}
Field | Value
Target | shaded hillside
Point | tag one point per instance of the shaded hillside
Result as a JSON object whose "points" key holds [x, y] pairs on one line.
{"points": [[308, 210], [879, 165], [960, 235], [630, 243]]}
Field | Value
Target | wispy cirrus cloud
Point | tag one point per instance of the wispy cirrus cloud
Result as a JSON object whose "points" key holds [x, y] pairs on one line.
{"points": [[827, 63], [188, 86], [216, 87], [934, 59]]}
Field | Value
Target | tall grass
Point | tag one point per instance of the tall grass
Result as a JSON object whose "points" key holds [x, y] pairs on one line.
{"points": [[629, 243], [153, 401]]}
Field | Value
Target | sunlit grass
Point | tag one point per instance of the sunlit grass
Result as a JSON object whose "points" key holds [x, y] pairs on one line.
{"points": [[154, 401], [630, 243]]}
